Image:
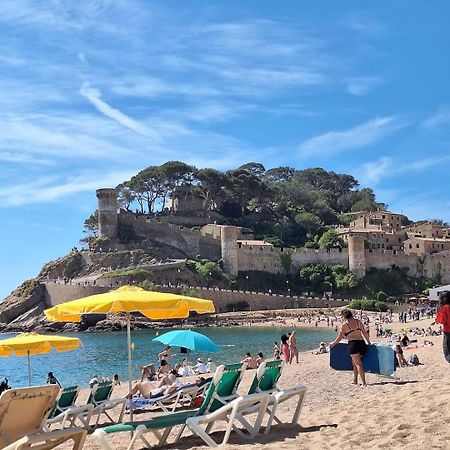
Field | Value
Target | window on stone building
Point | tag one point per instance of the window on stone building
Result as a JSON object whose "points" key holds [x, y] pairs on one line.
{"points": [[410, 245], [417, 245]]}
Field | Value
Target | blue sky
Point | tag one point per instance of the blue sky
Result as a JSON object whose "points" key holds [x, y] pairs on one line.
{"points": [[94, 91]]}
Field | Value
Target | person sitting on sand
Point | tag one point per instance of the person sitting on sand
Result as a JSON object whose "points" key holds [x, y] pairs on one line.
{"points": [[405, 340], [149, 372], [200, 367], [260, 359], [51, 379], [250, 361], [354, 331], [211, 366], [322, 349], [285, 349]]}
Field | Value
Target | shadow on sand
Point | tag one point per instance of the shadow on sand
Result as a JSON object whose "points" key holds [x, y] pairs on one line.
{"points": [[278, 433]]}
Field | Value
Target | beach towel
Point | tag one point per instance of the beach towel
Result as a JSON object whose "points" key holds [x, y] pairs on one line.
{"points": [[143, 403]]}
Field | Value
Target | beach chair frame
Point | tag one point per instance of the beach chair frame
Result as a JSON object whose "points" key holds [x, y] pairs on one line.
{"points": [[234, 414], [66, 413], [22, 415], [265, 380], [100, 399], [222, 391]]}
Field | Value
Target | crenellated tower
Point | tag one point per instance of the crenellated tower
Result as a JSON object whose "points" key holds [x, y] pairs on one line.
{"points": [[107, 212]]}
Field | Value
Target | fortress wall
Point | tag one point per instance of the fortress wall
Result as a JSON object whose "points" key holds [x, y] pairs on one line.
{"points": [[188, 241], [56, 293], [261, 258], [384, 260], [254, 257], [224, 299], [303, 256]]}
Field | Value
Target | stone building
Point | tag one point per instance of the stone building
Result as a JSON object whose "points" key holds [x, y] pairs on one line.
{"points": [[426, 245]]}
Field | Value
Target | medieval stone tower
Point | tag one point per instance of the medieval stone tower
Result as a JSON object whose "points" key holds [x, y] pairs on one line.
{"points": [[229, 248], [107, 213], [356, 255]]}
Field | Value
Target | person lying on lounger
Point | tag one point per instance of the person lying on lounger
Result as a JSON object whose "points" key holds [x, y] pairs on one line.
{"points": [[168, 384]]}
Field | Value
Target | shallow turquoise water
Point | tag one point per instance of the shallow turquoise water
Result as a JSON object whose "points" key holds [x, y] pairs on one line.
{"points": [[106, 353]]}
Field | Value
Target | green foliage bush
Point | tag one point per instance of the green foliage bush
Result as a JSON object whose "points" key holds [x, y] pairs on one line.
{"points": [[209, 270], [127, 273], [147, 285], [315, 275], [381, 296], [368, 305]]}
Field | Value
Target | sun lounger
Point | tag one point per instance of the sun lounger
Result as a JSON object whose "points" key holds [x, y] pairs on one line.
{"points": [[22, 413], [100, 399], [183, 396], [66, 413], [233, 413], [221, 391], [265, 380]]}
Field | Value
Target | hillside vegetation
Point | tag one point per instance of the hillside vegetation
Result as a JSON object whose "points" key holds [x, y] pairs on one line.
{"points": [[282, 205]]}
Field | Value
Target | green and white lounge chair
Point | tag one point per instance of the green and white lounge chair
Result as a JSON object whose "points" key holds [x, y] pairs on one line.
{"points": [[100, 399], [233, 414], [265, 380], [222, 390], [22, 413], [66, 413]]}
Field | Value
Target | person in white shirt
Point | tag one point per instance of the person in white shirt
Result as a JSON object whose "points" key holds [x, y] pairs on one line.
{"points": [[211, 366], [200, 367]]}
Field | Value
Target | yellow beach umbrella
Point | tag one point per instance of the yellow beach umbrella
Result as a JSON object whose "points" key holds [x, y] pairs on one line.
{"points": [[26, 344], [128, 299]]}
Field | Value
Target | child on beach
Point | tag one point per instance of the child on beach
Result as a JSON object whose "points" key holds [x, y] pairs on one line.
{"points": [[250, 361], [276, 351], [285, 349]]}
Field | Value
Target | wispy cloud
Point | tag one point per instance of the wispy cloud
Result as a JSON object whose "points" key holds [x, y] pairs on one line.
{"points": [[94, 96], [372, 172], [49, 189], [362, 135], [440, 118], [363, 85]]}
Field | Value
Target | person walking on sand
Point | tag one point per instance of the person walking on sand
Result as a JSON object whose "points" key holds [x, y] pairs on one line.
{"points": [[292, 341], [443, 317], [358, 339], [285, 349]]}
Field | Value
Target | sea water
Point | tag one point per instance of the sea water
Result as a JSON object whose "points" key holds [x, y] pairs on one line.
{"points": [[105, 354]]}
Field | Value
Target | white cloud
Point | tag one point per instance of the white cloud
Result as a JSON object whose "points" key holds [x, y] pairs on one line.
{"points": [[49, 189], [386, 167], [362, 85], [440, 118], [362, 135], [94, 96]]}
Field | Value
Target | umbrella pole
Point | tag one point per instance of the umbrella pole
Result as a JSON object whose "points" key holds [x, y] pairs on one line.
{"points": [[29, 368], [129, 360]]}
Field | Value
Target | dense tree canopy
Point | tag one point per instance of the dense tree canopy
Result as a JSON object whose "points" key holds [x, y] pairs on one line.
{"points": [[285, 205]]}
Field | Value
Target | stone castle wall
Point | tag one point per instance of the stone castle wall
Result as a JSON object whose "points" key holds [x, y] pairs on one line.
{"points": [[267, 259], [387, 258], [188, 241], [224, 300]]}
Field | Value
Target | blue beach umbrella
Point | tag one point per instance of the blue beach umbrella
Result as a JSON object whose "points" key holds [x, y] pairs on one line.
{"points": [[188, 339]]}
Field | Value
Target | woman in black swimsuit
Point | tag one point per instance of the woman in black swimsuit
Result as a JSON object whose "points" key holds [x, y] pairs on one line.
{"points": [[354, 331]]}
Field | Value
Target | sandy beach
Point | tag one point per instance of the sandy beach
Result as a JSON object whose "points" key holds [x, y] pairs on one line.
{"points": [[409, 411]]}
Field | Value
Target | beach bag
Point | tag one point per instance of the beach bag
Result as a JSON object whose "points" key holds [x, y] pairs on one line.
{"points": [[414, 360], [196, 403]]}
